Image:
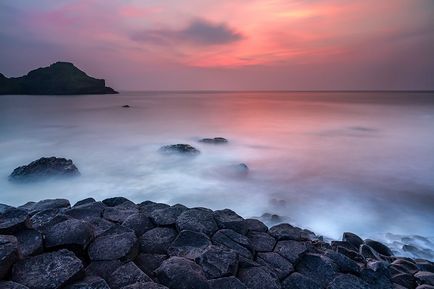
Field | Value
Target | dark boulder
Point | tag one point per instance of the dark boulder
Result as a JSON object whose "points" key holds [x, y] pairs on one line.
{"points": [[345, 264], [167, 216], [86, 211], [404, 279], [181, 273], [189, 244], [116, 243], [11, 285], [12, 220], [48, 270], [145, 285], [90, 283], [157, 240], [127, 274], [376, 279], [299, 281], [234, 241], [425, 265], [279, 265], [369, 253], [216, 140], [44, 168], [115, 201], [184, 149], [344, 244], [84, 202], [49, 204], [29, 242], [261, 241], [126, 106], [198, 220], [42, 219], [119, 213], [100, 225], [424, 277], [317, 267], [149, 262], [353, 239], [258, 278], [379, 247], [147, 207], [291, 250], [405, 266], [138, 222], [353, 255], [68, 232], [347, 281], [102, 269], [218, 262], [255, 225], [8, 253], [288, 232], [228, 219], [226, 283]]}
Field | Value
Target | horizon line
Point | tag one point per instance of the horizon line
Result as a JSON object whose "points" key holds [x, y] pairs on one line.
{"points": [[274, 90]]}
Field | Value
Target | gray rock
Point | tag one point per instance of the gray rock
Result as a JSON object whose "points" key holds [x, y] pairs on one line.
{"points": [[43, 218], [255, 225], [29, 242], [157, 240], [86, 211], [127, 274], [291, 250], [347, 281], [279, 265], [424, 277], [184, 149], [189, 244], [234, 241], [84, 202], [138, 222], [12, 220], [89, 283], [216, 140], [353, 239], [226, 283], [198, 220], [218, 262], [115, 201], [167, 216], [299, 281], [258, 278], [49, 204], [181, 273], [147, 207], [148, 263], [145, 285], [99, 225], [379, 247], [317, 267], [116, 243], [44, 168], [261, 241], [102, 269], [345, 264], [228, 219], [11, 285], [118, 214], [8, 253], [48, 270], [288, 232], [69, 232]]}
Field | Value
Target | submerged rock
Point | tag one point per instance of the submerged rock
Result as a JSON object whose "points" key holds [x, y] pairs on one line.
{"points": [[216, 140], [184, 149], [44, 168]]}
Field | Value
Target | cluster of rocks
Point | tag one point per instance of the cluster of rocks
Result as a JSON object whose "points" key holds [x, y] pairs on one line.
{"points": [[117, 244]]}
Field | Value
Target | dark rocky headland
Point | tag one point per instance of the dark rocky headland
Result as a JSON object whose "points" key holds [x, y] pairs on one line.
{"points": [[116, 243], [60, 78]]}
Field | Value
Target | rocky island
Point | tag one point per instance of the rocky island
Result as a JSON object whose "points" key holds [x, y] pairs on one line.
{"points": [[60, 78], [116, 243]]}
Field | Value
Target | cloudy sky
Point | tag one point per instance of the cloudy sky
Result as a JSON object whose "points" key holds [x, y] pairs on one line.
{"points": [[226, 44]]}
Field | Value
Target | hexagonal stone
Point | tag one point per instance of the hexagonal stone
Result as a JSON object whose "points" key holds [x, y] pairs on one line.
{"points": [[157, 240], [69, 232], [138, 222], [279, 265], [299, 281], [12, 220], [29, 242], [147, 207], [226, 283], [353, 239], [181, 273], [424, 277], [90, 283], [345, 281], [255, 225], [379, 247], [218, 262], [86, 211], [100, 225], [345, 264], [189, 244], [228, 219], [146, 285], [291, 250], [404, 279], [102, 269], [47, 271], [405, 266], [261, 241], [118, 214], [84, 202], [11, 285], [115, 201], [41, 219], [234, 241], [197, 219], [288, 232], [258, 278], [149, 262], [167, 216], [116, 243], [126, 275], [8, 253], [49, 204], [318, 268]]}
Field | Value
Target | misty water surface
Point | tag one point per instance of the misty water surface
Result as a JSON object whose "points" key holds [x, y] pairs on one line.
{"points": [[330, 162]]}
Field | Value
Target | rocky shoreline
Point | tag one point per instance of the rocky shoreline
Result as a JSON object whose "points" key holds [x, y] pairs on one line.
{"points": [[116, 243]]}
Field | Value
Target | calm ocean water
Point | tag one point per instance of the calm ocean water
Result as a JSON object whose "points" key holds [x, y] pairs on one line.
{"points": [[327, 161]]}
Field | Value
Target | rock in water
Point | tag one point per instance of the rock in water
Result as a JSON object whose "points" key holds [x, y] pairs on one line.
{"points": [[45, 168], [180, 148], [216, 140], [60, 78], [47, 271]]}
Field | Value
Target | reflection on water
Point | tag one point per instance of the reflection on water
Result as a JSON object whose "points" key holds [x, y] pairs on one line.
{"points": [[330, 162]]}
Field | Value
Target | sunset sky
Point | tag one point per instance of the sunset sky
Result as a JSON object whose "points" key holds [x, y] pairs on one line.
{"points": [[226, 44]]}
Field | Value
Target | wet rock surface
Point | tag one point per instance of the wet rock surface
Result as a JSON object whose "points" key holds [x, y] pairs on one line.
{"points": [[184, 149], [118, 244]]}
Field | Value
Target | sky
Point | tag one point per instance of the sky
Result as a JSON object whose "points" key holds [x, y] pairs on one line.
{"points": [[226, 44]]}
